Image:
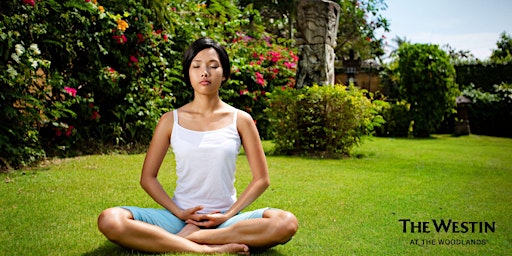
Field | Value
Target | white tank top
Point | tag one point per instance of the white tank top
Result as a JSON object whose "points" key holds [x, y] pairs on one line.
{"points": [[205, 166]]}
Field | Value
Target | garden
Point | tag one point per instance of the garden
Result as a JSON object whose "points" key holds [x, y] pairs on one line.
{"points": [[345, 207], [84, 82]]}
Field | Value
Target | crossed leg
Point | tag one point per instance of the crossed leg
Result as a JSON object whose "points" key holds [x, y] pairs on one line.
{"points": [[276, 227], [118, 225]]}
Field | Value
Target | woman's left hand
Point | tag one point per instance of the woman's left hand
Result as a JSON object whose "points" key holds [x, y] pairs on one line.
{"points": [[211, 220]]}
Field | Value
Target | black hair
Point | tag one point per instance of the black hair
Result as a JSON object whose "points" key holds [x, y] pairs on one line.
{"points": [[199, 45]]}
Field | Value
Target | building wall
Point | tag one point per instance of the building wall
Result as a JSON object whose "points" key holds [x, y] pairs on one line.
{"points": [[363, 80]]}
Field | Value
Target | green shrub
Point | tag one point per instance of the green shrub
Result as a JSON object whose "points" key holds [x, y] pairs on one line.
{"points": [[35, 101], [398, 122], [484, 75], [323, 121], [427, 82], [490, 113], [259, 66], [122, 62]]}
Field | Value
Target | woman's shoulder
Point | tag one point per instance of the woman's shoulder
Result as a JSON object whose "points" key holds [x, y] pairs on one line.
{"points": [[168, 115], [167, 118], [244, 120]]}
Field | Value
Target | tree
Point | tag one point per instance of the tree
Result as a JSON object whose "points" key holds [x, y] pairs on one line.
{"points": [[279, 15], [427, 82], [359, 22], [504, 51], [459, 56], [398, 41]]}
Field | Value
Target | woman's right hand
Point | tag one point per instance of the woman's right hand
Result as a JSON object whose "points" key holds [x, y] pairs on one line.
{"points": [[191, 214]]}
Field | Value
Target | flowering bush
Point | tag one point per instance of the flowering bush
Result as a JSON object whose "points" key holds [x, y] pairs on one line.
{"points": [[258, 67], [78, 74]]}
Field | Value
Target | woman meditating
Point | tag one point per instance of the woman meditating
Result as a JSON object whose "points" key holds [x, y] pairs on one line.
{"points": [[204, 214]]}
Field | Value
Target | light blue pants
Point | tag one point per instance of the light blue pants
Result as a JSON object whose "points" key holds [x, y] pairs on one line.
{"points": [[168, 221]]}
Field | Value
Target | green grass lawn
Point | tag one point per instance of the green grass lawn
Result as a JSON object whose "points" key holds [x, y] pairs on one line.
{"points": [[345, 207]]}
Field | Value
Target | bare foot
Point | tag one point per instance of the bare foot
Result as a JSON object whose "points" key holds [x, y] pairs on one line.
{"points": [[187, 230], [228, 248]]}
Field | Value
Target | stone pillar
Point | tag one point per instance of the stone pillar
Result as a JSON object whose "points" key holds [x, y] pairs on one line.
{"points": [[317, 23], [462, 122]]}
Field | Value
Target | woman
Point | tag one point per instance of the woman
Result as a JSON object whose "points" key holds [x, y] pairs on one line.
{"points": [[203, 215]]}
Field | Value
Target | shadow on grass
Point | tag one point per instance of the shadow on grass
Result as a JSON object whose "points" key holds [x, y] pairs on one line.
{"points": [[111, 249]]}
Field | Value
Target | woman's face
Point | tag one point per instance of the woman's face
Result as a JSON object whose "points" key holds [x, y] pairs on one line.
{"points": [[206, 74]]}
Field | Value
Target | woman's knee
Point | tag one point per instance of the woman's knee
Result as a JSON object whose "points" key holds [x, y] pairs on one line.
{"points": [[286, 224], [111, 222]]}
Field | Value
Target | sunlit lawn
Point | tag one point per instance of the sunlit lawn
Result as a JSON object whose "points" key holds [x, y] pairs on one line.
{"points": [[345, 207]]}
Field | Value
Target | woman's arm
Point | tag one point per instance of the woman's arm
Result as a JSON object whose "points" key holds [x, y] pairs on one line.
{"points": [[257, 162], [154, 158]]}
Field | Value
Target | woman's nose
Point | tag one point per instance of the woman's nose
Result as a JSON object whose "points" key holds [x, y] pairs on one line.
{"points": [[204, 73]]}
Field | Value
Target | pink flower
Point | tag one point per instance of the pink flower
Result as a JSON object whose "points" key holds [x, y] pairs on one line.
{"points": [[69, 131], [70, 91], [29, 2], [95, 115], [259, 79], [166, 37], [294, 57], [134, 59], [244, 92], [275, 56], [140, 38], [87, 1], [289, 65], [291, 82], [120, 39]]}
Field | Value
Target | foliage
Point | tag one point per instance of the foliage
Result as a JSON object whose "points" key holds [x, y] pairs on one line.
{"points": [[81, 74], [427, 82], [503, 53], [258, 67], [359, 23], [278, 15], [490, 113], [484, 75], [398, 122], [358, 28], [390, 80], [459, 56], [35, 99], [324, 121]]}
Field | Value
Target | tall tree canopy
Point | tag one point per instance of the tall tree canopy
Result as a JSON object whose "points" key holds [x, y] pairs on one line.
{"points": [[360, 21], [504, 51], [427, 82]]}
